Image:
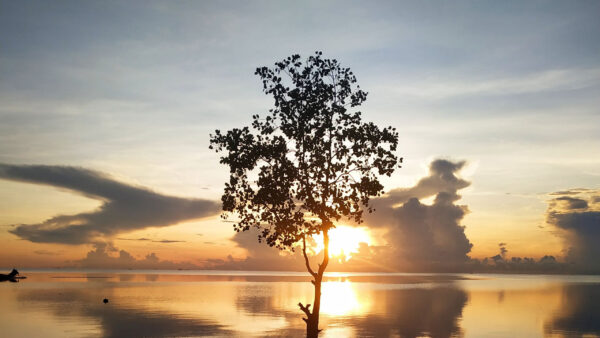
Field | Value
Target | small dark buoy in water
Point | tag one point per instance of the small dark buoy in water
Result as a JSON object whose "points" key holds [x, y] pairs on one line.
{"points": [[105, 300]]}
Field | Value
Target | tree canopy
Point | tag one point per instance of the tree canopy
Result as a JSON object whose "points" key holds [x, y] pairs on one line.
{"points": [[311, 160]]}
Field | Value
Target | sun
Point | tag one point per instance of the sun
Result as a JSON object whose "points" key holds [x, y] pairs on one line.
{"points": [[344, 241]]}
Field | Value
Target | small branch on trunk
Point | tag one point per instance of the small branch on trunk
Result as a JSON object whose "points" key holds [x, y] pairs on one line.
{"points": [[305, 309]]}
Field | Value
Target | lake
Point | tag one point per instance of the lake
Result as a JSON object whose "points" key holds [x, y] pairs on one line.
{"points": [[233, 303]]}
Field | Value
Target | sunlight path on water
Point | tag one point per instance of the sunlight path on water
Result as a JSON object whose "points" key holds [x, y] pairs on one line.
{"points": [[340, 298]]}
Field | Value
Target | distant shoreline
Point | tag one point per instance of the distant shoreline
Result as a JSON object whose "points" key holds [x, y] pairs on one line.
{"points": [[332, 274]]}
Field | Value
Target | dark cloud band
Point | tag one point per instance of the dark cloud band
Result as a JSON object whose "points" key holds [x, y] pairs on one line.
{"points": [[126, 208]]}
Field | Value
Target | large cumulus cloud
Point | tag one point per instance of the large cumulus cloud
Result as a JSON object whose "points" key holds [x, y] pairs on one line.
{"points": [[126, 208], [576, 214], [421, 236]]}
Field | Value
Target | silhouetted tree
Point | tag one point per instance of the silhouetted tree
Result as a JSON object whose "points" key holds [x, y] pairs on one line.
{"points": [[308, 163]]}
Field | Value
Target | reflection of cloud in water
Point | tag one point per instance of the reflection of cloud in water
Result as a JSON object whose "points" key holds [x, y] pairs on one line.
{"points": [[117, 321], [414, 313], [240, 307], [255, 299], [126, 277], [580, 312], [151, 277]]}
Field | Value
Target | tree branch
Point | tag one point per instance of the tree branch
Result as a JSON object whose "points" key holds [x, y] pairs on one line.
{"points": [[323, 265], [346, 173], [305, 309], [310, 270]]}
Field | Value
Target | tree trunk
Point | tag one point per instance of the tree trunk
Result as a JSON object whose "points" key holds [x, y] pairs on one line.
{"points": [[312, 324], [312, 318]]}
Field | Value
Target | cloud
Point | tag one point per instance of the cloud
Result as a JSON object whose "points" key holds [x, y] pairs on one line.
{"points": [[421, 236], [501, 263], [126, 208], [575, 191], [503, 249], [106, 256], [578, 220], [571, 203], [46, 253], [167, 241], [143, 239], [441, 178], [545, 81], [260, 256]]}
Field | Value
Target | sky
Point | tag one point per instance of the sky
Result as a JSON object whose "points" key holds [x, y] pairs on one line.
{"points": [[107, 109]]}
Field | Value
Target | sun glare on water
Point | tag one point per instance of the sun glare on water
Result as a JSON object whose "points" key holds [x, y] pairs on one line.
{"points": [[344, 241], [340, 298]]}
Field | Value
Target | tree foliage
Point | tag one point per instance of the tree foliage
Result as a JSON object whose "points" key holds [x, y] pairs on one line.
{"points": [[311, 160]]}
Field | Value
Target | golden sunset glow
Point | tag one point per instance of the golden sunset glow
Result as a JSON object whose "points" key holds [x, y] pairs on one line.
{"points": [[344, 241], [266, 168], [339, 298]]}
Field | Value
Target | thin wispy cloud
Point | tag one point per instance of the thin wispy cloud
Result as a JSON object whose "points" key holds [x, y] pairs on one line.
{"points": [[143, 239], [545, 81], [47, 252]]}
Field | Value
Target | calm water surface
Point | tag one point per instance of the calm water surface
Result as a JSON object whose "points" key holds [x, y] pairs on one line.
{"points": [[243, 304]]}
